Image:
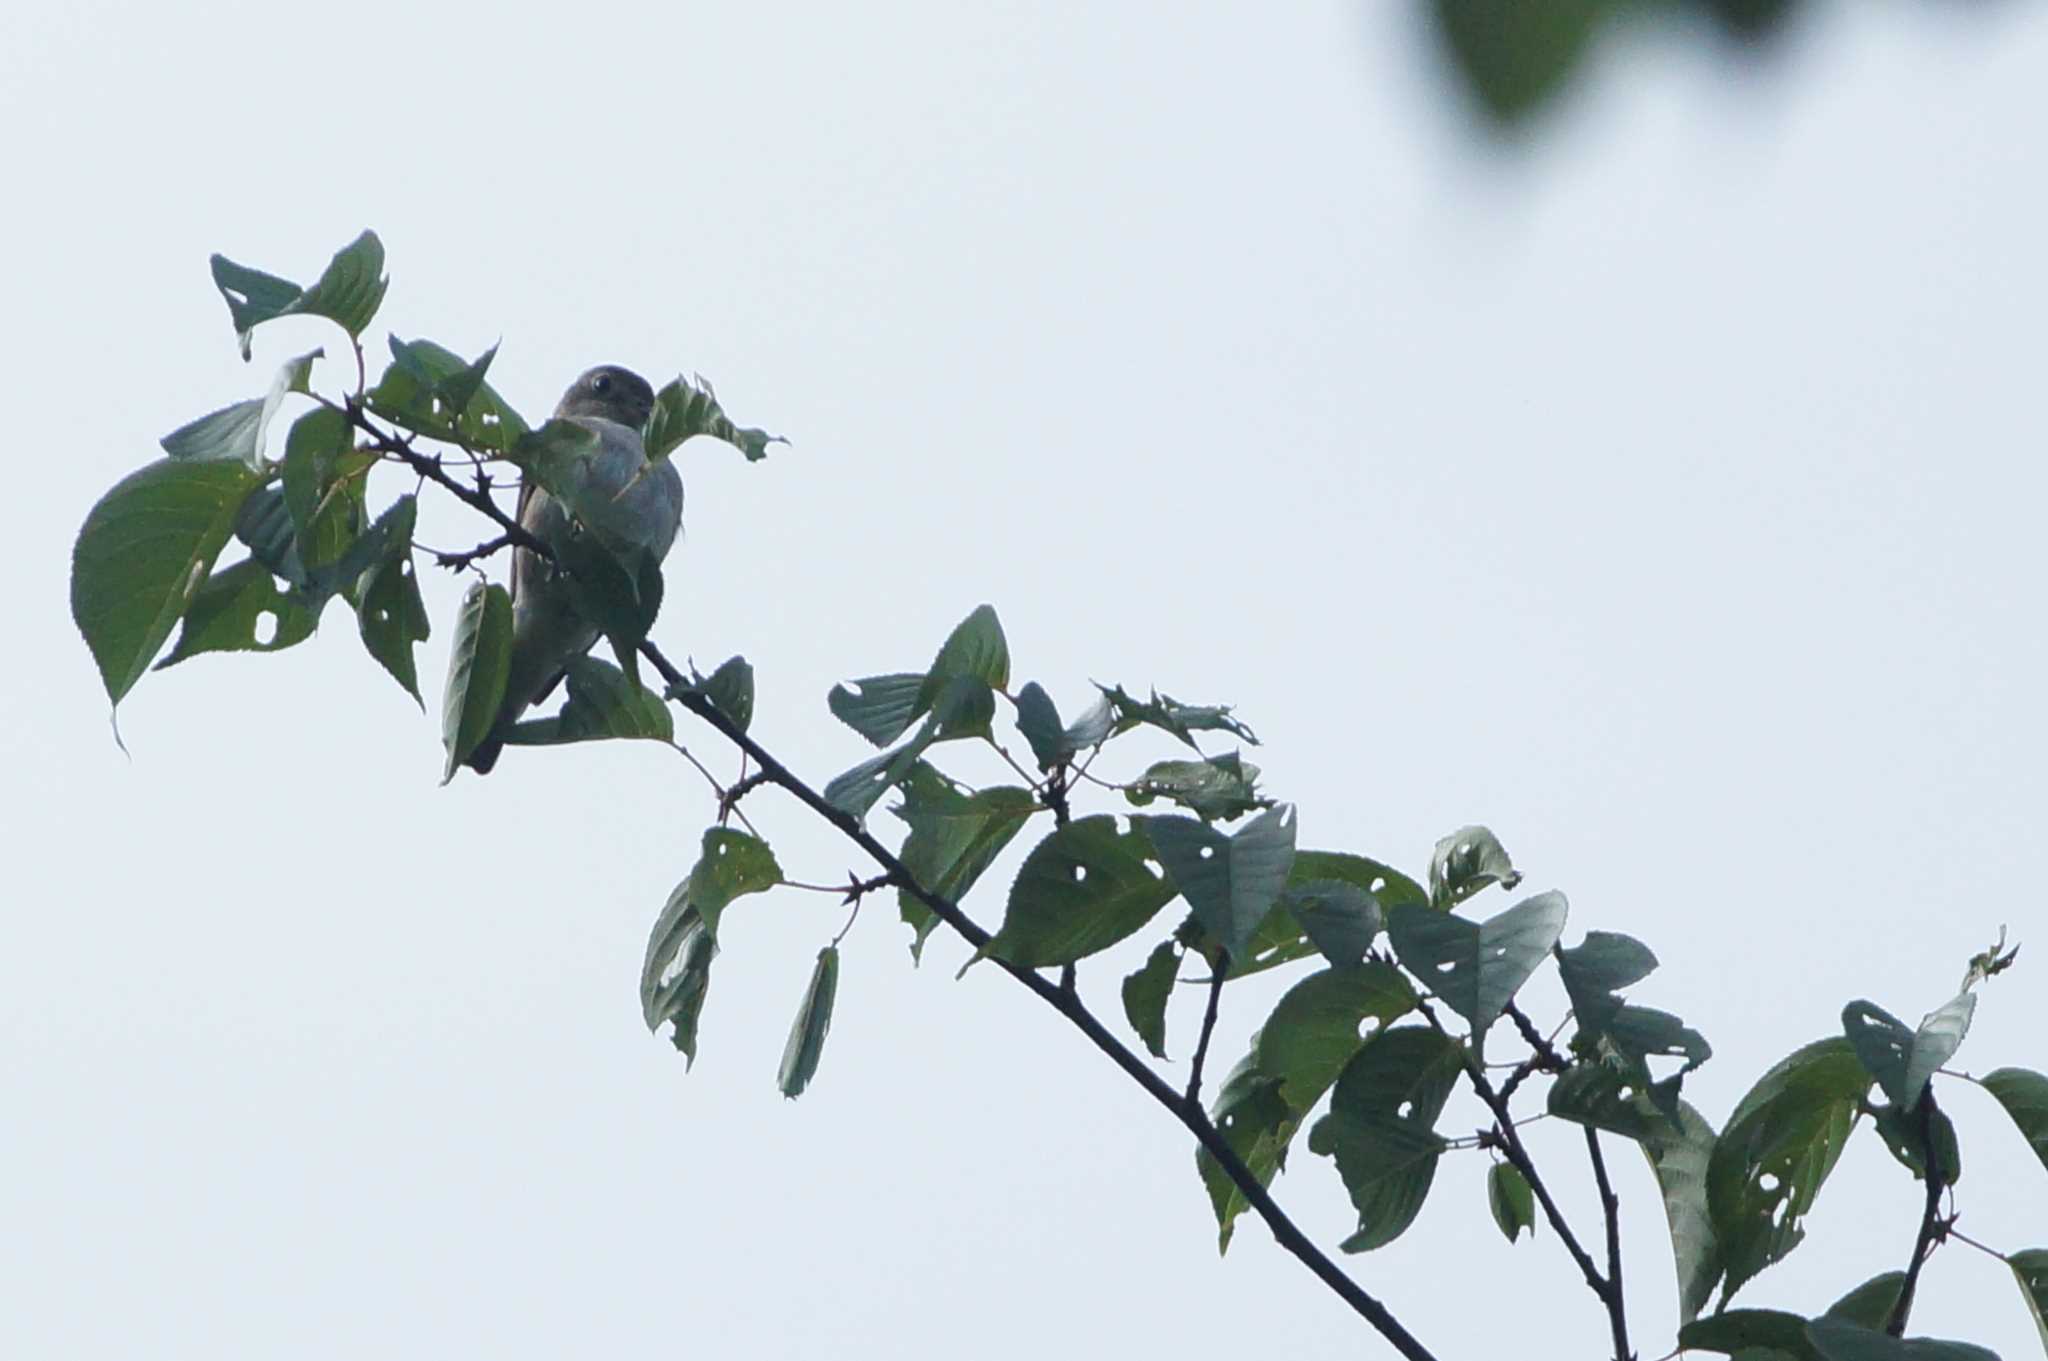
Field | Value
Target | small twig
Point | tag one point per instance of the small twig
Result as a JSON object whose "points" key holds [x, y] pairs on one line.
{"points": [[457, 562], [1610, 1207], [1194, 1096], [1930, 1216], [716, 788], [1011, 761], [1951, 1231], [729, 799]]}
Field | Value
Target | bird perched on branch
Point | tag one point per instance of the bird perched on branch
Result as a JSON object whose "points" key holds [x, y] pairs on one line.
{"points": [[628, 502]]}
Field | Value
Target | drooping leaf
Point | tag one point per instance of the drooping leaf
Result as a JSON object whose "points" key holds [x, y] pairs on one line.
{"points": [[677, 976], [2030, 1270], [857, 790], [879, 708], [392, 617], [1515, 56], [1908, 1140], [478, 665], [239, 430], [1837, 1339], [417, 390], [1477, 967], [1751, 1333], [603, 704], [1466, 861], [953, 838], [228, 614], [348, 291], [1604, 1096], [2024, 1094], [1170, 715], [324, 485], [730, 865], [1232, 881], [142, 555], [1870, 1304], [1776, 1152], [1081, 890], [813, 1021], [1218, 788], [1512, 1201], [389, 534], [264, 525], [1145, 993], [1258, 1126], [731, 691], [1679, 1157], [686, 407], [1900, 1059], [1381, 1128]]}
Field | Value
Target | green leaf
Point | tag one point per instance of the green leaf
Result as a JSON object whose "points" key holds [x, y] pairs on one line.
{"points": [[324, 485], [457, 390], [478, 664], [226, 615], [731, 691], [1231, 882], [1900, 1059], [1603, 1096], [1512, 1202], [1902, 1134], [2024, 1094], [348, 291], [1871, 1303], [1081, 890], [677, 975], [1839, 1340], [1771, 1161], [1515, 56], [1258, 1127], [1738, 1332], [813, 1020], [976, 647], [1169, 715], [684, 408], [1145, 993], [1322, 1021], [1219, 788], [1466, 861], [879, 708], [603, 703], [730, 865], [1598, 968], [1038, 718], [143, 553], [417, 389], [953, 838], [238, 431], [1380, 1128], [1339, 918], [264, 524], [1477, 968], [2030, 1269], [392, 617], [1679, 1157]]}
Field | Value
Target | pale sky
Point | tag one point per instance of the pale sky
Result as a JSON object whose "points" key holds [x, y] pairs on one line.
{"points": [[1664, 494]]}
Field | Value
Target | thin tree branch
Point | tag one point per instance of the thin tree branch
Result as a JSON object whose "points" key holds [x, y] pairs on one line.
{"points": [[1194, 1094], [456, 562], [1069, 1005], [1610, 1207], [1930, 1232]]}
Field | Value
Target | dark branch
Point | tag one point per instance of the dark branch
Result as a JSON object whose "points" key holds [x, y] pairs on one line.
{"points": [[746, 785], [457, 562], [1610, 1207], [1217, 975], [1069, 1005], [1930, 1232]]}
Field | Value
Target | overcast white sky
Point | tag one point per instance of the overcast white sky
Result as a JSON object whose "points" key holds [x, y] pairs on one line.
{"points": [[1667, 497]]}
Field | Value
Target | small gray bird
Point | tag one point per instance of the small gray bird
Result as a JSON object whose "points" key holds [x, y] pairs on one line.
{"points": [[625, 506]]}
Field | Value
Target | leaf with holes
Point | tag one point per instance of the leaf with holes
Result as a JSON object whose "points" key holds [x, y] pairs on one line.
{"points": [[2024, 1094], [1145, 993], [1908, 1142], [1477, 967], [879, 708], [1322, 1021], [417, 389], [676, 978], [813, 1020], [1839, 1340], [1169, 715], [392, 617], [1381, 1128], [730, 865], [478, 664], [2030, 1270], [857, 790], [1776, 1152], [1258, 1127], [1466, 861], [348, 291], [1081, 890], [1605, 1096], [143, 554], [685, 408], [1339, 919], [953, 838], [1220, 788], [228, 614], [1511, 1200], [1233, 881], [1596, 969], [1900, 1059], [731, 691], [1870, 1304]]}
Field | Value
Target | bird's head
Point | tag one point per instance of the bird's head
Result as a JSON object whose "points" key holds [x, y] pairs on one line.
{"points": [[610, 392]]}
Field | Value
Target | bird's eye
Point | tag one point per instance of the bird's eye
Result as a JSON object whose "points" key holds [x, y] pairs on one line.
{"points": [[601, 384]]}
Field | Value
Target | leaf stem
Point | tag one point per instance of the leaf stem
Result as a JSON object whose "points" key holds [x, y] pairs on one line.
{"points": [[1194, 1094]]}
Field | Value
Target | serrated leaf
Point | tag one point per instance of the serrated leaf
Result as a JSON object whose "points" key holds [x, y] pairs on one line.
{"points": [[1839, 1340], [684, 408], [1145, 993], [730, 865], [1900, 1059], [2024, 1094], [1081, 890], [415, 392], [813, 1021], [1477, 967], [1322, 1021], [603, 704], [1870, 1304], [1219, 788], [457, 390], [1679, 1157], [879, 708], [392, 617], [324, 485], [233, 432], [228, 612], [953, 838], [857, 790], [1038, 718], [1776, 1152], [1381, 1128], [731, 691], [1596, 969], [348, 291], [478, 664], [1511, 1200], [1258, 1127], [1466, 861], [1340, 919], [677, 976], [1603, 1096], [976, 647], [1170, 715], [1232, 881], [2030, 1270], [143, 553], [264, 525], [1902, 1134]]}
